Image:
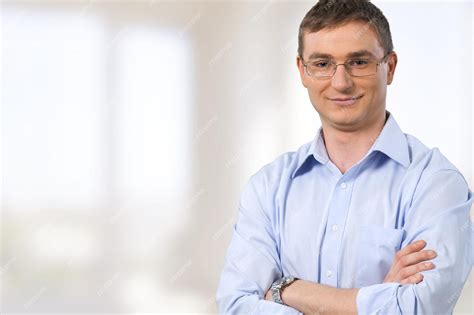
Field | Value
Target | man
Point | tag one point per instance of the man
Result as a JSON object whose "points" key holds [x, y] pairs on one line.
{"points": [[350, 222]]}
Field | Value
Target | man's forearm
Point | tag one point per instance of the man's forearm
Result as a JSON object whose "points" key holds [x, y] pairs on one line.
{"points": [[313, 298]]}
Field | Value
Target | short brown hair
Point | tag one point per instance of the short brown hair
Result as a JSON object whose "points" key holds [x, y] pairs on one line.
{"points": [[333, 13]]}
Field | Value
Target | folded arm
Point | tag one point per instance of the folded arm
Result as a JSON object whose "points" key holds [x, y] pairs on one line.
{"points": [[439, 215], [252, 262]]}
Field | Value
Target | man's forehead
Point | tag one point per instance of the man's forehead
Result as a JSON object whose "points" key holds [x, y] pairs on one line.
{"points": [[343, 41], [351, 30]]}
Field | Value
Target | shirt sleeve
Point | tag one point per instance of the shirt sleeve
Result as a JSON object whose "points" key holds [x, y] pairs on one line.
{"points": [[252, 262], [440, 215]]}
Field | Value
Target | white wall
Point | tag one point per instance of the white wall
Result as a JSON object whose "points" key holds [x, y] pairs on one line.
{"points": [[129, 129]]}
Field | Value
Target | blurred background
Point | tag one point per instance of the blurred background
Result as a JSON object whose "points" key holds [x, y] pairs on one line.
{"points": [[128, 129]]}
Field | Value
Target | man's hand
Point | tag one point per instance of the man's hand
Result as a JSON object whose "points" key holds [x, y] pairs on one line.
{"points": [[408, 262], [268, 296]]}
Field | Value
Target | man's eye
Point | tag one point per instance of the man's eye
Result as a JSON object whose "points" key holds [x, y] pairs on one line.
{"points": [[358, 63], [321, 64]]}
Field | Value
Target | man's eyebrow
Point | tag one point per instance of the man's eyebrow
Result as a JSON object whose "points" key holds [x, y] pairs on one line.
{"points": [[360, 53], [317, 55], [354, 54]]}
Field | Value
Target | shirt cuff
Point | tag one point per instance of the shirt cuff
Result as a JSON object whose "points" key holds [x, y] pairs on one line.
{"points": [[375, 298], [265, 307]]}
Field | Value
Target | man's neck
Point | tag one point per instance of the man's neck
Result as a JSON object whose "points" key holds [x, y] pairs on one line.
{"points": [[346, 148]]}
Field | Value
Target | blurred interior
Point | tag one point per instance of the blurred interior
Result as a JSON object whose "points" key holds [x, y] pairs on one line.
{"points": [[130, 127]]}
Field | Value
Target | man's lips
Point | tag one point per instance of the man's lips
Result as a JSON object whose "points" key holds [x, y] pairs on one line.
{"points": [[345, 101]]}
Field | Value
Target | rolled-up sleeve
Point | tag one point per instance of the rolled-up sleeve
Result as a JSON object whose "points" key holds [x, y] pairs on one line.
{"points": [[252, 262], [439, 214]]}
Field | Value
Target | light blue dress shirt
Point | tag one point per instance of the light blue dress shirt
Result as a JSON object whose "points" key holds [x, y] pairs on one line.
{"points": [[300, 216]]}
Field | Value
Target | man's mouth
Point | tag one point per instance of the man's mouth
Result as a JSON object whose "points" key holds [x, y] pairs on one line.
{"points": [[345, 101]]}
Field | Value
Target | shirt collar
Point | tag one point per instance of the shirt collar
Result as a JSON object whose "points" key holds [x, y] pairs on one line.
{"points": [[391, 142]]}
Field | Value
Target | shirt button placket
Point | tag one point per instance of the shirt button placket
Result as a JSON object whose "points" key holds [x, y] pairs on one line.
{"points": [[333, 239]]}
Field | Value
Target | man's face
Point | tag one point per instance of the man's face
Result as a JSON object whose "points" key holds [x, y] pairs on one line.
{"points": [[340, 44]]}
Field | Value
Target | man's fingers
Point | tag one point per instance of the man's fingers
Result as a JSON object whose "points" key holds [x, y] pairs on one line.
{"points": [[411, 248], [415, 258], [415, 269], [409, 262], [413, 279]]}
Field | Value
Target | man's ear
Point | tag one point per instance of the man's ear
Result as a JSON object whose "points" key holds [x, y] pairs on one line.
{"points": [[392, 64], [299, 64]]}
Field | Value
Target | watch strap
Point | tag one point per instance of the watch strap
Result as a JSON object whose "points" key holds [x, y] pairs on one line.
{"points": [[278, 286]]}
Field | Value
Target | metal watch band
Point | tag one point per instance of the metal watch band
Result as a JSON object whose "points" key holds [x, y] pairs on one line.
{"points": [[278, 286]]}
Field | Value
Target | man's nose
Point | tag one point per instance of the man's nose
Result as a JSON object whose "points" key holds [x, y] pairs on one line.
{"points": [[341, 80]]}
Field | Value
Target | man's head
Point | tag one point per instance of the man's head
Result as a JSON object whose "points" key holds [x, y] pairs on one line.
{"points": [[355, 32]]}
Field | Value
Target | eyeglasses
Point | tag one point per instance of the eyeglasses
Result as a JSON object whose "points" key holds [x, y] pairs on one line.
{"points": [[359, 67]]}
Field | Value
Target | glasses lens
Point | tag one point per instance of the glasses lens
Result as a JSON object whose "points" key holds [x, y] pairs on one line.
{"points": [[320, 69], [361, 68]]}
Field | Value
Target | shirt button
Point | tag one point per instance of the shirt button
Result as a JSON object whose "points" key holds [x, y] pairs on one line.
{"points": [[335, 228], [343, 185], [329, 273]]}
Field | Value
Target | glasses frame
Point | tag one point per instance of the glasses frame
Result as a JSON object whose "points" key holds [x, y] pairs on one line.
{"points": [[378, 63]]}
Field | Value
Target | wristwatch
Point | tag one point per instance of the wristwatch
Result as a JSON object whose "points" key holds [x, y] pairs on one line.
{"points": [[278, 286]]}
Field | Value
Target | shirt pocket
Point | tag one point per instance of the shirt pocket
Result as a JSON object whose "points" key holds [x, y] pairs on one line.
{"points": [[376, 248]]}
